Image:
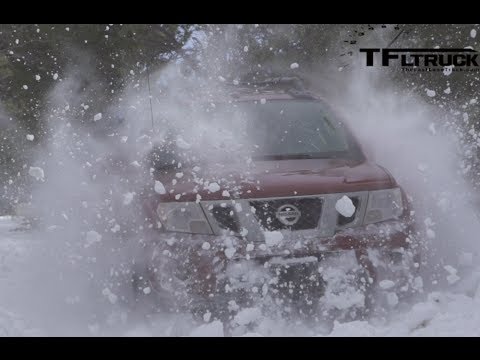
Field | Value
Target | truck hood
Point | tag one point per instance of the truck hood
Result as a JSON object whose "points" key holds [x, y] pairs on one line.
{"points": [[278, 178]]}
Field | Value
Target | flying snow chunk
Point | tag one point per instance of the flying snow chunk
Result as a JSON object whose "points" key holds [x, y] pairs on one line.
{"points": [[225, 193], [452, 277], [247, 316], [159, 188], [207, 316], [294, 66], [147, 290], [127, 198], [263, 101], [417, 283], [245, 48], [443, 204], [447, 90], [447, 70], [473, 33], [392, 299], [233, 306], [25, 87], [345, 206], [97, 117], [30, 137], [229, 252], [213, 187], [37, 173], [428, 222], [110, 296], [55, 76], [92, 237], [430, 93], [273, 238], [422, 167], [182, 144], [228, 242], [386, 284], [206, 246], [37, 77]]}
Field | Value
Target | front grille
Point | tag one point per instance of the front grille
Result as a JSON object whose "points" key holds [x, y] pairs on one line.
{"points": [[288, 214], [225, 217]]}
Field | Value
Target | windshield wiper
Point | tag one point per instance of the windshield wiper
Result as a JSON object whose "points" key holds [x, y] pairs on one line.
{"points": [[291, 156]]}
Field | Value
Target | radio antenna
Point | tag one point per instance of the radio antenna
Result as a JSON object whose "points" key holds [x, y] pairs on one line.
{"points": [[396, 37], [150, 98]]}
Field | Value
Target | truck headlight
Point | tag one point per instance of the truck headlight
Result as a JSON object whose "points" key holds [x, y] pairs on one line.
{"points": [[185, 217], [383, 205]]}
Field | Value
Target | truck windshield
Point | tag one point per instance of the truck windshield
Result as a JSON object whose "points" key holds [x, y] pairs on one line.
{"points": [[283, 129]]}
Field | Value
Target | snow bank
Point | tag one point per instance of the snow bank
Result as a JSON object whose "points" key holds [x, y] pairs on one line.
{"points": [[213, 329]]}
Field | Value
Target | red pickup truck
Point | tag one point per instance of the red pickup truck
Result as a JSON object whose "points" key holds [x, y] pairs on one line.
{"points": [[257, 222]]}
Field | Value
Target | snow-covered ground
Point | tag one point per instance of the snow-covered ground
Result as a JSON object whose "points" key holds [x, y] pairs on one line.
{"points": [[12, 255], [442, 313]]}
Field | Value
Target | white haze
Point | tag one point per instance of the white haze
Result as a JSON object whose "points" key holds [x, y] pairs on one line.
{"points": [[420, 145], [74, 286], [79, 277]]}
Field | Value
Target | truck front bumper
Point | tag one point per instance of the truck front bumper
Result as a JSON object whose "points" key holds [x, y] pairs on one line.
{"points": [[202, 262]]}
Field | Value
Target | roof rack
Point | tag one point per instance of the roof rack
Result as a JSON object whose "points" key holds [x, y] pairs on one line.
{"points": [[294, 86], [284, 83]]}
